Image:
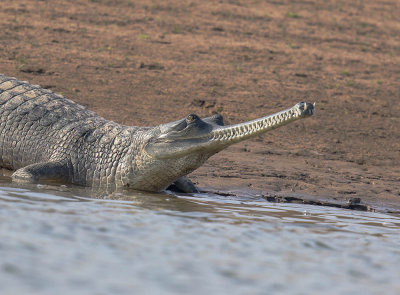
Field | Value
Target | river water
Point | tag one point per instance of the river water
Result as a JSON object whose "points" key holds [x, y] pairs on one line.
{"points": [[61, 240]]}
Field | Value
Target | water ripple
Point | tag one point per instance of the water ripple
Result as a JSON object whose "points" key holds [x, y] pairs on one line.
{"points": [[72, 240]]}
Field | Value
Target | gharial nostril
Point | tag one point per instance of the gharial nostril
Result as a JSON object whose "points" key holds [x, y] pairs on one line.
{"points": [[306, 108], [310, 108]]}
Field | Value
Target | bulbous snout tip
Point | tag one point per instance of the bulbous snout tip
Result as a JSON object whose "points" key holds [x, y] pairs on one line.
{"points": [[306, 108]]}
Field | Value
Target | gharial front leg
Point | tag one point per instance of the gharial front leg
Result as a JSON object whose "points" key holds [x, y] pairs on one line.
{"points": [[57, 170], [184, 185]]}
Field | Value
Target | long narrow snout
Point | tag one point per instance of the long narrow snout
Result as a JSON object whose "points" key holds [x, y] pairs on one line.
{"points": [[211, 136], [227, 135]]}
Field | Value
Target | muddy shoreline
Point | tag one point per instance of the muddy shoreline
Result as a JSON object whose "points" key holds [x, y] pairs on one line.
{"points": [[143, 63]]}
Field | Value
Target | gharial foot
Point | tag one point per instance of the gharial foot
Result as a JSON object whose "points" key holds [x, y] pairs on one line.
{"points": [[183, 185], [45, 170]]}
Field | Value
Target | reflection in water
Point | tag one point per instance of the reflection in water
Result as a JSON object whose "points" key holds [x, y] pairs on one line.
{"points": [[57, 239]]}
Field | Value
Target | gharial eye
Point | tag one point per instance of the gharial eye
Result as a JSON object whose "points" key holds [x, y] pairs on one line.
{"points": [[191, 118]]}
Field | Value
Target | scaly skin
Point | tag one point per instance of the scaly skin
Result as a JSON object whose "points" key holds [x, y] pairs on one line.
{"points": [[46, 136]]}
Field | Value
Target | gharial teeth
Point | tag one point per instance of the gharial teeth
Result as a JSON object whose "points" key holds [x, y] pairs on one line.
{"points": [[254, 127]]}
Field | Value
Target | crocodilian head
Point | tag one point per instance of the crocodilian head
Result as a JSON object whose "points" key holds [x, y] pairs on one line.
{"points": [[208, 136]]}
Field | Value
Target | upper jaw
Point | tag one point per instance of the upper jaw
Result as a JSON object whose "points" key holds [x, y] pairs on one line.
{"points": [[227, 135]]}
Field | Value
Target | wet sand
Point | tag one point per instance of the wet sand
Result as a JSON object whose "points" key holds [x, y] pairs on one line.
{"points": [[143, 63]]}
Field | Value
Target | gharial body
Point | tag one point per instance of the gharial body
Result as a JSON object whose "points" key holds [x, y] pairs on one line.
{"points": [[46, 136]]}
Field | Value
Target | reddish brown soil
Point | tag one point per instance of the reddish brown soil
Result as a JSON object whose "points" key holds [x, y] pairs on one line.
{"points": [[144, 63]]}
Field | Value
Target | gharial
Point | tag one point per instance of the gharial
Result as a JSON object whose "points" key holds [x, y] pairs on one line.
{"points": [[46, 136]]}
